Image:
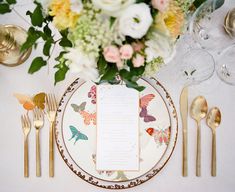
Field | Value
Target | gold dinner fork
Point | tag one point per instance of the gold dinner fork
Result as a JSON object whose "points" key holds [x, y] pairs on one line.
{"points": [[38, 122], [51, 108], [26, 125]]}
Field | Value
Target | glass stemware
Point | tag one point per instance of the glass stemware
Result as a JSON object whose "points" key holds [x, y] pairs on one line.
{"points": [[207, 25], [196, 65], [226, 65]]}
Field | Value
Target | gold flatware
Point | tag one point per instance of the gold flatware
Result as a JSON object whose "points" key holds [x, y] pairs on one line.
{"points": [[38, 121], [51, 106], [184, 117], [26, 126], [198, 111], [213, 121]]}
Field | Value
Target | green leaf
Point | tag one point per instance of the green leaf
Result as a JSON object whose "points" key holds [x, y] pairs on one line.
{"points": [[33, 36], [36, 65], [4, 8], [138, 71], [125, 74], [112, 20], [218, 4], [143, 1], [60, 55], [36, 17], [47, 31], [110, 73], [47, 47], [102, 65], [134, 85], [61, 73], [11, 1], [198, 3], [64, 42]]}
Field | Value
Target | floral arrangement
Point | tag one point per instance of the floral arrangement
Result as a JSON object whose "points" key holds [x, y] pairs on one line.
{"points": [[108, 40]]}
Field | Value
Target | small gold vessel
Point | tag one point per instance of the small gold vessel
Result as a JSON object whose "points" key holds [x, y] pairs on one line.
{"points": [[11, 39], [229, 23]]}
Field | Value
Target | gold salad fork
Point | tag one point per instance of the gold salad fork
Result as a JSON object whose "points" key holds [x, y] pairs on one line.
{"points": [[26, 125], [51, 108], [38, 122]]}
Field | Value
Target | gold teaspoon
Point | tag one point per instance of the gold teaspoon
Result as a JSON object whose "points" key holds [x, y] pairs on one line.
{"points": [[213, 120], [198, 111]]}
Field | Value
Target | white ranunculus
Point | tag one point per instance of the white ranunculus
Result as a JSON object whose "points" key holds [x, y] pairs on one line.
{"points": [[112, 7], [81, 63], [135, 20], [159, 46]]}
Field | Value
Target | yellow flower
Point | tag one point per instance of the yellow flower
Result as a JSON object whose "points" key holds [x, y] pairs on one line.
{"points": [[63, 16], [171, 21]]}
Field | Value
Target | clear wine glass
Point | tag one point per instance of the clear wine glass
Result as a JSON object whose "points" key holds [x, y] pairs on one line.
{"points": [[196, 65], [207, 25], [226, 65]]}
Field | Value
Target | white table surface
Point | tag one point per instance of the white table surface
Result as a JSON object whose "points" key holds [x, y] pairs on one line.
{"points": [[16, 79]]}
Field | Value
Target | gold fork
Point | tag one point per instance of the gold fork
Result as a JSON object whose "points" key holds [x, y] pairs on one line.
{"points": [[26, 125], [38, 122], [51, 108]]}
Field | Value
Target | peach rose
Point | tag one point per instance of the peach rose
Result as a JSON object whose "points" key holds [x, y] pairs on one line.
{"points": [[137, 46], [160, 5], [126, 51], [111, 54], [138, 60]]}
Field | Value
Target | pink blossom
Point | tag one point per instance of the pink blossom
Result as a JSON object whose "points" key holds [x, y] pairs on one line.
{"points": [[137, 46], [138, 60], [161, 5], [111, 54], [126, 51]]}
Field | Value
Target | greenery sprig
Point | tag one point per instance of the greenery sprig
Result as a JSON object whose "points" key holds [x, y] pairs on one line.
{"points": [[40, 30], [6, 6]]}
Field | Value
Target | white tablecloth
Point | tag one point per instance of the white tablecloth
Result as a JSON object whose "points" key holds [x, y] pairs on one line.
{"points": [[169, 179]]}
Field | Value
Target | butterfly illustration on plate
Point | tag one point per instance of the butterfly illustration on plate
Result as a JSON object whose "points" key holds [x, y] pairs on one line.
{"points": [[160, 136], [29, 103], [87, 117], [144, 102], [108, 173], [92, 94], [77, 134]]}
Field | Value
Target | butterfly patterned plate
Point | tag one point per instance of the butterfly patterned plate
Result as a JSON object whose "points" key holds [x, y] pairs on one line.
{"points": [[75, 133]]}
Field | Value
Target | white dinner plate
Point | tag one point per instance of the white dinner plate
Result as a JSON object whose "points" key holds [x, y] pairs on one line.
{"points": [[75, 133]]}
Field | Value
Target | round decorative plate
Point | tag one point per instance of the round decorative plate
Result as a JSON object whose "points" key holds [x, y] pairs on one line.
{"points": [[75, 133]]}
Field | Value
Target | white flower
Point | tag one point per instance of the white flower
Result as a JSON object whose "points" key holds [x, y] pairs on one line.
{"points": [[135, 20], [159, 45], [112, 7], [76, 6], [83, 64]]}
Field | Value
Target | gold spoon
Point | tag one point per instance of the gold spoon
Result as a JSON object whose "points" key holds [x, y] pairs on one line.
{"points": [[198, 111], [213, 120]]}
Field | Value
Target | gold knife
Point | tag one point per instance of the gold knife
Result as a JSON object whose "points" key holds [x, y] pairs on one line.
{"points": [[184, 117]]}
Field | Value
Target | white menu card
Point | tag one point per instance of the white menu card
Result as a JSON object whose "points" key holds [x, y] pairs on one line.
{"points": [[117, 128]]}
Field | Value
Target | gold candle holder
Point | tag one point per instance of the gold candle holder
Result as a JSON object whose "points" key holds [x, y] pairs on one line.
{"points": [[11, 39], [229, 23]]}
